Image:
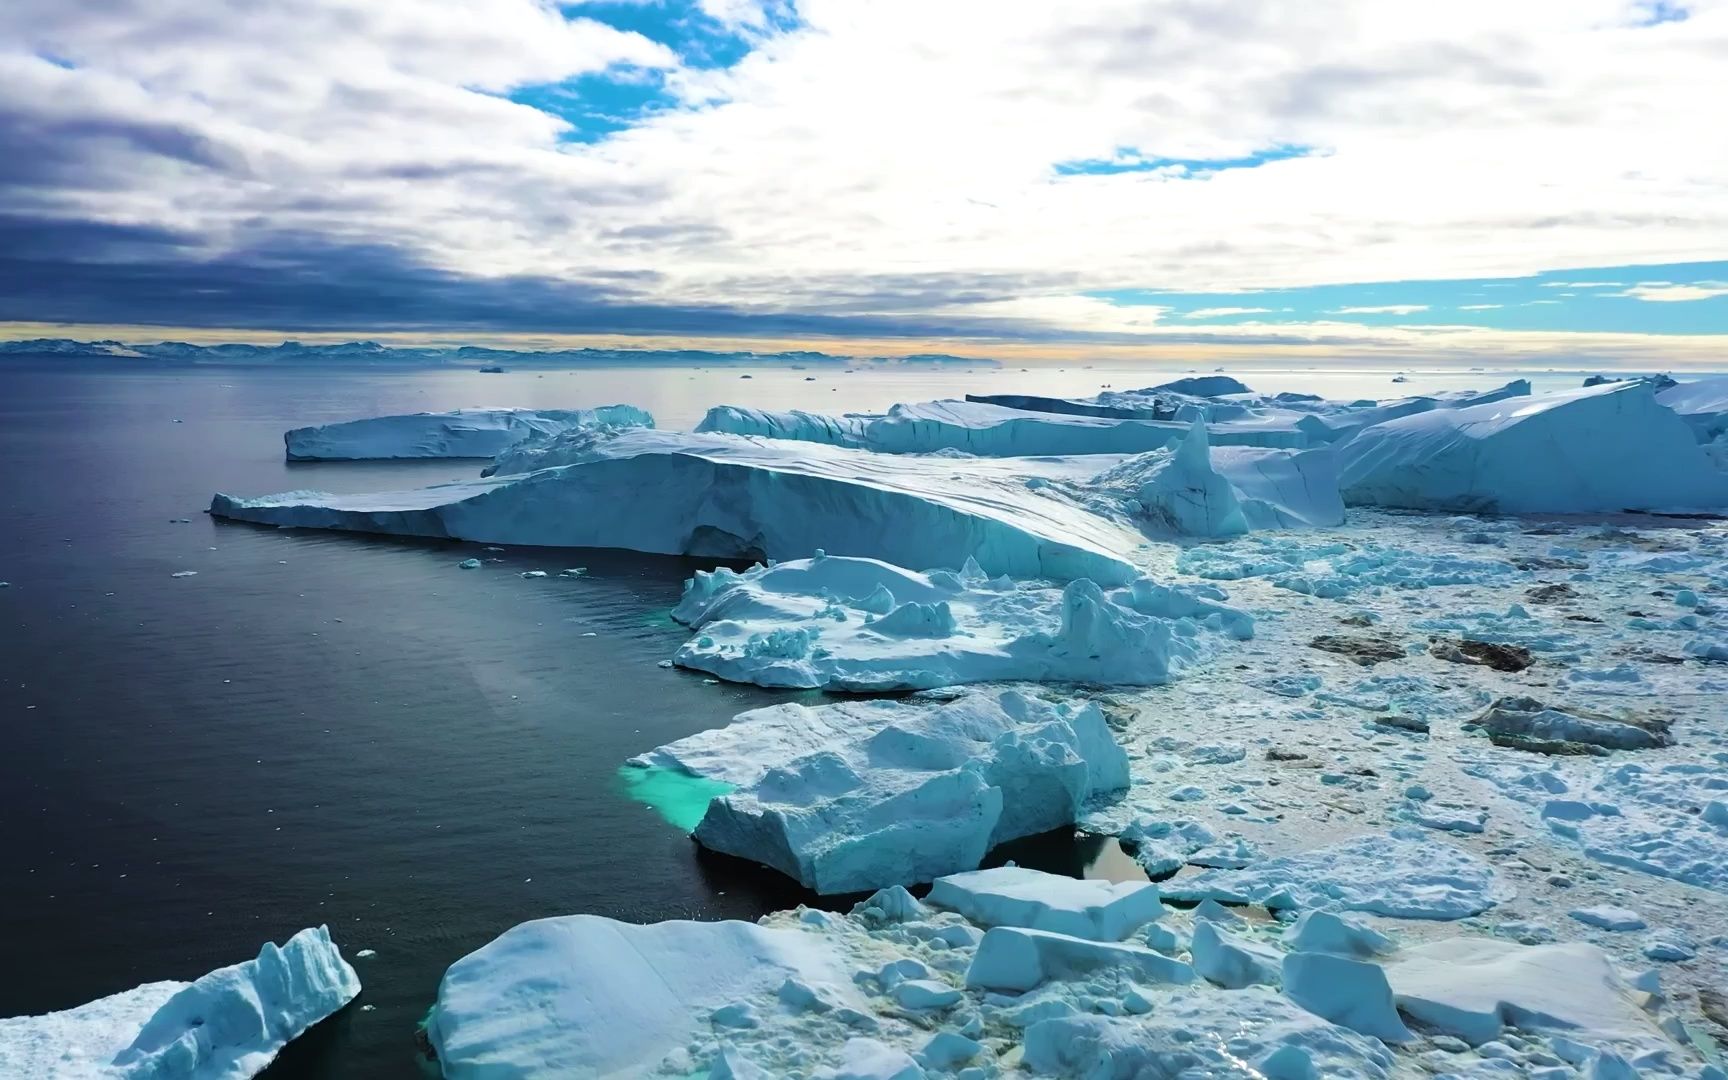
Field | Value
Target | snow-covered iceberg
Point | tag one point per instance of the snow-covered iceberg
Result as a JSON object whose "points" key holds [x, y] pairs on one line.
{"points": [[585, 996], [1603, 449], [861, 795], [1196, 490], [227, 1025], [987, 430], [724, 496], [461, 433], [1332, 422], [1702, 404], [864, 625]]}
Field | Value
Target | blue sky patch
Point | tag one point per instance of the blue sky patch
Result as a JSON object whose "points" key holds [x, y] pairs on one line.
{"points": [[1674, 298], [599, 105], [1126, 160]]}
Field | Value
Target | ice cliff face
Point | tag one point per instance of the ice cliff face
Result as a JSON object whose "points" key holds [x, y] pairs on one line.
{"points": [[463, 433]]}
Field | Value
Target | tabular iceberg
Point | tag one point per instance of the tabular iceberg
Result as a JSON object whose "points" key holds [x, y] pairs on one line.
{"points": [[228, 1025], [462, 433], [728, 497], [862, 795], [1608, 448], [585, 996], [987, 430], [864, 625]]}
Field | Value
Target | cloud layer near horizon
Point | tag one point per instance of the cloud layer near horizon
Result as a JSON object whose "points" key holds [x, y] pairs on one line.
{"points": [[947, 169]]}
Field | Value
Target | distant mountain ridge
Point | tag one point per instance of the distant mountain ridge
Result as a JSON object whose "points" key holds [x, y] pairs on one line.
{"points": [[464, 356]]}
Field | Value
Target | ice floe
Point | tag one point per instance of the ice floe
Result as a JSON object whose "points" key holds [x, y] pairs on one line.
{"points": [[862, 624], [858, 795], [1402, 874], [462, 433], [227, 1025]]}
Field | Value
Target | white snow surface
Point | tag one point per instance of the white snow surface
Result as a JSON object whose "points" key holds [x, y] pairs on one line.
{"points": [[1603, 449], [227, 1025], [727, 496], [580, 995], [461, 433], [1702, 404], [860, 795], [846, 623]]}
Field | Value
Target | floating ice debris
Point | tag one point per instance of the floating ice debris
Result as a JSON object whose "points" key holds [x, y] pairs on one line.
{"points": [[1011, 959], [860, 795], [1524, 718], [1608, 917], [184, 573], [227, 1025], [1330, 932], [533, 573], [1405, 874], [468, 564], [462, 433], [1229, 961], [861, 624]]}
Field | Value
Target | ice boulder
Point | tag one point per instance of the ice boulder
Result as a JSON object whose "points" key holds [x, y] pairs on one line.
{"points": [[1017, 896], [581, 995], [1353, 993], [1403, 874], [1608, 448], [723, 496], [845, 623], [867, 794], [1475, 988], [1013, 959], [462, 433], [227, 1025]]}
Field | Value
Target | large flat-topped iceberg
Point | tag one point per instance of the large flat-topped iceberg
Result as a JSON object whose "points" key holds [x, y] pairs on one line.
{"points": [[462, 433], [1603, 449], [585, 996], [724, 496], [865, 625], [228, 1025], [989, 430], [862, 795], [1331, 422], [1702, 404]]}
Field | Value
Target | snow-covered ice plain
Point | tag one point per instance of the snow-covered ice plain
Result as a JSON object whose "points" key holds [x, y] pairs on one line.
{"points": [[1409, 713]]}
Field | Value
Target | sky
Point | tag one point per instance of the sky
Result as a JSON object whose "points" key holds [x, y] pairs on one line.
{"points": [[1536, 179]]}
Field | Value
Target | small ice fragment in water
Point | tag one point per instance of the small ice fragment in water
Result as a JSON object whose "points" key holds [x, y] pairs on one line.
{"points": [[184, 573], [468, 564]]}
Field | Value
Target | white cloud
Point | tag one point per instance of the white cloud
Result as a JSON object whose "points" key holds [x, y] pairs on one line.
{"points": [[1666, 292], [1582, 284], [897, 142], [1382, 309], [1216, 312]]}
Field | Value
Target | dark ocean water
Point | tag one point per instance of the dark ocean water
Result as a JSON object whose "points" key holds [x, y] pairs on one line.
{"points": [[324, 728]]}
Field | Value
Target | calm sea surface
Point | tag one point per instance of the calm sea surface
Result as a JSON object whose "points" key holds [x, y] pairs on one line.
{"points": [[322, 728]]}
